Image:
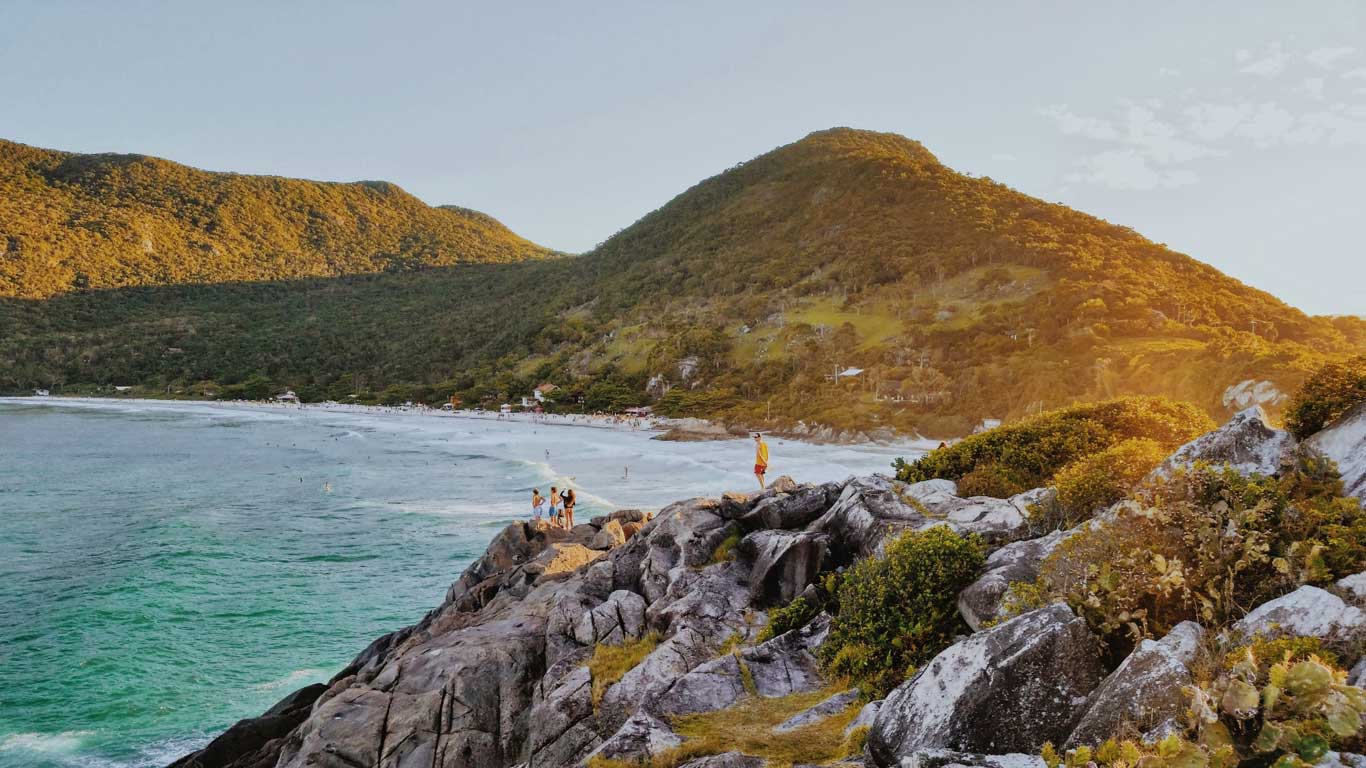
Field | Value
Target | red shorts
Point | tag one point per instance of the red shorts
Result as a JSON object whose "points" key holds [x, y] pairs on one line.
{"points": [[760, 469]]}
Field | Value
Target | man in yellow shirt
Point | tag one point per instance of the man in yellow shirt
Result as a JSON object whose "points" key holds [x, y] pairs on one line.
{"points": [[760, 458]]}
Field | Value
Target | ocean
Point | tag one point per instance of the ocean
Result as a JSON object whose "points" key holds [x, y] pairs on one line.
{"points": [[167, 568]]}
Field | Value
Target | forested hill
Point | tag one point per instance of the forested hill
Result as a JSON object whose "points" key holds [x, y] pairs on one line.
{"points": [[957, 297], [71, 222]]}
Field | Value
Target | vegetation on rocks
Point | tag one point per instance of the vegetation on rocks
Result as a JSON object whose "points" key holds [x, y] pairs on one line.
{"points": [[897, 610], [1103, 478], [1327, 394], [1206, 544], [1030, 453], [1285, 712], [610, 663], [794, 615]]}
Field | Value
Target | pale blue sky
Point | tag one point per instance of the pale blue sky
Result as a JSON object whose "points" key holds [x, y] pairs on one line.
{"points": [[1235, 131]]}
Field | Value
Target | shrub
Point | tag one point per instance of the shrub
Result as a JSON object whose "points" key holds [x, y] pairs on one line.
{"points": [[1205, 544], [611, 662], [794, 615], [899, 610], [1327, 394], [726, 549], [1028, 453], [1288, 715], [1103, 478]]}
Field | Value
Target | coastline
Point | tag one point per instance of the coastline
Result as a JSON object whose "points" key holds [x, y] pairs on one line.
{"points": [[686, 429]]}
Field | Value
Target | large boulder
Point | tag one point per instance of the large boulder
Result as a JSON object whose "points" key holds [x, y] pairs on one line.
{"points": [[868, 510], [609, 536], [641, 737], [982, 600], [1146, 690], [1344, 441], [1007, 689], [947, 758], [791, 510], [995, 520], [1353, 587], [1306, 612], [780, 667], [1248, 443], [618, 619], [725, 760], [829, 707], [785, 562]]}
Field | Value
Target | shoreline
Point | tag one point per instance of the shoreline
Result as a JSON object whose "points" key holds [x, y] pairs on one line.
{"points": [[686, 429]]}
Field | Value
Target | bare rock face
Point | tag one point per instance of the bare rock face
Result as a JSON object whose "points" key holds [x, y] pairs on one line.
{"points": [[1247, 443], [1344, 441], [252, 742], [641, 737], [1353, 587], [1306, 612], [791, 510], [827, 708], [785, 562], [610, 535], [982, 600], [782, 666], [1146, 690], [618, 619], [1007, 689], [947, 758]]}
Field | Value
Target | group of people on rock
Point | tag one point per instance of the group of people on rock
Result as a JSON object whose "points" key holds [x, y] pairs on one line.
{"points": [[558, 508]]}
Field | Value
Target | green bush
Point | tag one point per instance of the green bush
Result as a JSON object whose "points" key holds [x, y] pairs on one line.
{"points": [[1206, 544], [1103, 478], [898, 610], [1327, 394], [792, 616], [1029, 453]]}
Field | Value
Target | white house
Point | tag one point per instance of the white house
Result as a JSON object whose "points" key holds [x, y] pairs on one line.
{"points": [[40, 393], [287, 396]]}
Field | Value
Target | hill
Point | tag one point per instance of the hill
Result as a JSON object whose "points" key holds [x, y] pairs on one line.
{"points": [[957, 297], [72, 222]]}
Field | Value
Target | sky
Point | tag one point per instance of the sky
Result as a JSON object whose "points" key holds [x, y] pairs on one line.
{"points": [[1231, 131]]}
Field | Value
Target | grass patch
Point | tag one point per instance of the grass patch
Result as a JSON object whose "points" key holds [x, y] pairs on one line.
{"points": [[726, 549], [611, 662], [748, 727]]}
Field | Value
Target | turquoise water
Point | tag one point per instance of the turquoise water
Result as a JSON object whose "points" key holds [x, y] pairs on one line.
{"points": [[168, 569]]}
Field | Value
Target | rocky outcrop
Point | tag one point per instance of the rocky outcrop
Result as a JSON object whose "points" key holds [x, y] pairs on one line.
{"points": [[1146, 690], [947, 758], [255, 742], [785, 562], [981, 601], [1247, 442], [1344, 441], [725, 760], [827, 708], [1306, 612], [1353, 587], [1008, 689]]}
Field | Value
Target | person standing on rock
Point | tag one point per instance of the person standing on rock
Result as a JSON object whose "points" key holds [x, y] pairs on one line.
{"points": [[556, 518], [537, 505], [760, 458], [567, 499]]}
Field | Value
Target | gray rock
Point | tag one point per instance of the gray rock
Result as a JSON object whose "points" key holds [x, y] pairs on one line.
{"points": [[831, 706], [1357, 676], [1006, 689], [945, 758], [1353, 587], [641, 737], [618, 619], [982, 600], [1344, 441], [609, 536], [780, 667], [1146, 690], [868, 510], [561, 729], [791, 510], [1306, 612], [1247, 443], [785, 562], [725, 760], [864, 718]]}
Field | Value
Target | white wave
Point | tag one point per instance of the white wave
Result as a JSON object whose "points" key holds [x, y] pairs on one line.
{"points": [[44, 743], [296, 679]]}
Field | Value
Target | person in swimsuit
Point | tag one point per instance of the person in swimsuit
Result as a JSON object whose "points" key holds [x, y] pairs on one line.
{"points": [[567, 497], [760, 459]]}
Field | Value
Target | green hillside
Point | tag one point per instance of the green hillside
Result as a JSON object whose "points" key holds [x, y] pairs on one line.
{"points": [[72, 222], [959, 297]]}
